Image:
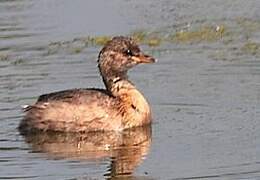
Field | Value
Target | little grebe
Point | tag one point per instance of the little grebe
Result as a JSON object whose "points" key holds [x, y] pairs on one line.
{"points": [[120, 106]]}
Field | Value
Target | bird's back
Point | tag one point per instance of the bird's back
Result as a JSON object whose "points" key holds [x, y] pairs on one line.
{"points": [[77, 110]]}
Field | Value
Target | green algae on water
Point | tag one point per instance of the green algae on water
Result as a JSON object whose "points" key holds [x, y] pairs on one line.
{"points": [[99, 40], [153, 42], [252, 48], [249, 25], [206, 33], [139, 36]]}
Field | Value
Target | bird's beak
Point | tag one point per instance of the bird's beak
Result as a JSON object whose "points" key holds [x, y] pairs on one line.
{"points": [[143, 58]]}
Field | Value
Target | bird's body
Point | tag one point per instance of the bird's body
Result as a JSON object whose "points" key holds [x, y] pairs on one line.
{"points": [[120, 106]]}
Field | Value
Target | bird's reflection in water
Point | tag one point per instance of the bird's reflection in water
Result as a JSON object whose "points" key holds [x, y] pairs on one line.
{"points": [[125, 149]]}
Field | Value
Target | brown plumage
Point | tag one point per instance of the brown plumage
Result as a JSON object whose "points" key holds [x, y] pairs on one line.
{"points": [[120, 106]]}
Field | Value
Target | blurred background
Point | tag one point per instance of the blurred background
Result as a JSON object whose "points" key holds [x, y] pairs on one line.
{"points": [[204, 90]]}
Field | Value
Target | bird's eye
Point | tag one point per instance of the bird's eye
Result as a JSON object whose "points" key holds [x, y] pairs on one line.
{"points": [[129, 52]]}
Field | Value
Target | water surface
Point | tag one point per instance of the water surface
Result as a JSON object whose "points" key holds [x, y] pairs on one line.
{"points": [[204, 93]]}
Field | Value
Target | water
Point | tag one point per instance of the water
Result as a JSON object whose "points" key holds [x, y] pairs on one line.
{"points": [[205, 95]]}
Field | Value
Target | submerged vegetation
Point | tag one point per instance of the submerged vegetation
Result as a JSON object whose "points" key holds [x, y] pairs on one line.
{"points": [[98, 40], [206, 33], [229, 39], [151, 39], [251, 48]]}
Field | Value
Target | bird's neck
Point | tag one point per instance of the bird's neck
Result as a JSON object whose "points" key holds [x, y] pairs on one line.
{"points": [[119, 86], [111, 79]]}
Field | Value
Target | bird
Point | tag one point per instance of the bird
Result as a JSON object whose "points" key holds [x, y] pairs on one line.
{"points": [[117, 107]]}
